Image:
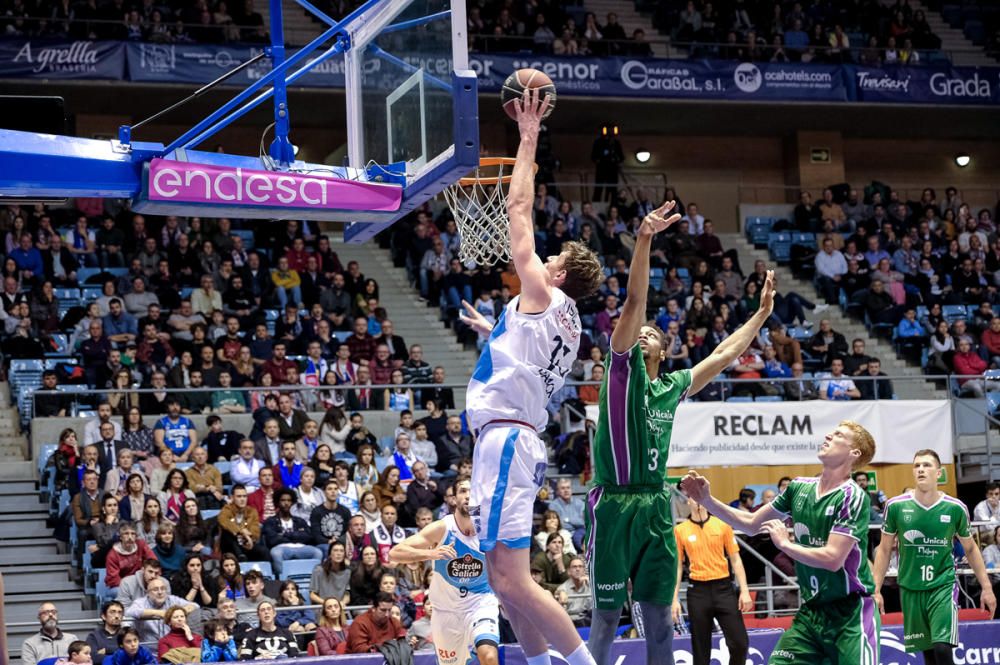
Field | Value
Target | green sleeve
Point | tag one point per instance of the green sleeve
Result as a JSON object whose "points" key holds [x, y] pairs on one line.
{"points": [[962, 523], [889, 524], [783, 502], [851, 518]]}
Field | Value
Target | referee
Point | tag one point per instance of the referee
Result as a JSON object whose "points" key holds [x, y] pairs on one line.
{"points": [[708, 542]]}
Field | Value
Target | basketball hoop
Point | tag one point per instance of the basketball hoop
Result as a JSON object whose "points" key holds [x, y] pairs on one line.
{"points": [[479, 204]]}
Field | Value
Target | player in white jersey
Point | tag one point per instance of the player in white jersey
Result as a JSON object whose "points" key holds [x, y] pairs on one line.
{"points": [[466, 613], [527, 357]]}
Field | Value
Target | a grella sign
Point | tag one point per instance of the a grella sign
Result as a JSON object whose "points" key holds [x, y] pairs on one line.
{"points": [[210, 184]]}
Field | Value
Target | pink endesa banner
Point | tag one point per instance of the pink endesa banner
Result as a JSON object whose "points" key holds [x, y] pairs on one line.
{"points": [[221, 185]]}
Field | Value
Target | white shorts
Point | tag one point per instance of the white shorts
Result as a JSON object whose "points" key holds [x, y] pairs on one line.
{"points": [[456, 634], [508, 468]]}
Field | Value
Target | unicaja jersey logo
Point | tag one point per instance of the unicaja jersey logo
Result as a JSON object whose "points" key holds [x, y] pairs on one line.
{"points": [[913, 535], [211, 184], [747, 77]]}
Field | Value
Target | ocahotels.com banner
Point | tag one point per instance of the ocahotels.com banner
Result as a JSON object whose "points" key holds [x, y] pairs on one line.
{"points": [[776, 433]]}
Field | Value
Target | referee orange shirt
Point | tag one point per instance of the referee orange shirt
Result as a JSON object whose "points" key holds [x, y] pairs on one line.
{"points": [[707, 547]]}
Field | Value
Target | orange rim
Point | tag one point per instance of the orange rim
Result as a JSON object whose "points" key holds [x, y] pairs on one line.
{"points": [[487, 162]]}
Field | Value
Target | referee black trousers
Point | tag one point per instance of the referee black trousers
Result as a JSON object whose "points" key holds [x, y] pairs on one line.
{"points": [[716, 600]]}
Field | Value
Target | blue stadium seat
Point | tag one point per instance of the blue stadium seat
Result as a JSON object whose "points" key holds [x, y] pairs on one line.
{"points": [[952, 313], [806, 239], [684, 275], [779, 246], [739, 398], [83, 274], [247, 236], [298, 569], [263, 566], [59, 347], [768, 398], [656, 278]]}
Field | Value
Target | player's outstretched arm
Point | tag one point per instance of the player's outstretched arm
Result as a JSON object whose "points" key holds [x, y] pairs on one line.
{"points": [[829, 557], [535, 290], [633, 314], [698, 488], [882, 556], [423, 546], [987, 600], [733, 346]]}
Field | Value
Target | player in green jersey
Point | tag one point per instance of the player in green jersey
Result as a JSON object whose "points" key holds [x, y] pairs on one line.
{"points": [[838, 622], [924, 523], [629, 528]]}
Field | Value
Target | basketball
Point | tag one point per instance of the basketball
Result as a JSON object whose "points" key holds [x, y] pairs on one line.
{"points": [[513, 89]]}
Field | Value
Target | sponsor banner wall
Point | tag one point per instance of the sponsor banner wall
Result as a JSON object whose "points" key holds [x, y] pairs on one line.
{"points": [[649, 78], [977, 644], [926, 85], [46, 59], [781, 433]]}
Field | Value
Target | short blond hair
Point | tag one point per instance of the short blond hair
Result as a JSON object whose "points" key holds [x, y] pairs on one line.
{"points": [[864, 442], [584, 274]]}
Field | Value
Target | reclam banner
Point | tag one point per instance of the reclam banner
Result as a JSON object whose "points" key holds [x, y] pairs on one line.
{"points": [[775, 433]]}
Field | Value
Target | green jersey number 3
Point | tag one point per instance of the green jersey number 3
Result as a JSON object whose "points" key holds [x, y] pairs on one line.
{"points": [[654, 459]]}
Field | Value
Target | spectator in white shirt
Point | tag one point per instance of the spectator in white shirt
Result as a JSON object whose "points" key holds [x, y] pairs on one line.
{"points": [[988, 510], [244, 470], [830, 266], [836, 386]]}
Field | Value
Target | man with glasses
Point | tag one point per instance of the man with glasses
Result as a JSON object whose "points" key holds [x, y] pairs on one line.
{"points": [[375, 627], [103, 640], [49, 642]]}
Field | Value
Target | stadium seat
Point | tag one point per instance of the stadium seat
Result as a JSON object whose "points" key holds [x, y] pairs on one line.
{"points": [[739, 398], [768, 398], [684, 275], [655, 278], [952, 313], [263, 566], [59, 346], [298, 569], [779, 246]]}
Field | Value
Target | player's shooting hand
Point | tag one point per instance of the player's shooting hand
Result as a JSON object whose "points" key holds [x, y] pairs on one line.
{"points": [[988, 601], [659, 220], [442, 552], [877, 597], [778, 532], [767, 295], [696, 486], [746, 602], [474, 319], [529, 111], [675, 612]]}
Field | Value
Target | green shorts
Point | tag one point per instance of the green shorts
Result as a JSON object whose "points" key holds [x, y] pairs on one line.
{"points": [[630, 536], [844, 632], [929, 616]]}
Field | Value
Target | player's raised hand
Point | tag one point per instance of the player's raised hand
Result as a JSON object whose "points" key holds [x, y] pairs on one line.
{"points": [[659, 220], [529, 111], [988, 601], [443, 552], [696, 486], [474, 319], [767, 295], [778, 532]]}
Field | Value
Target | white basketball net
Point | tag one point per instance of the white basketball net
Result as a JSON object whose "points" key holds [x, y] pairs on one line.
{"points": [[480, 212]]}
